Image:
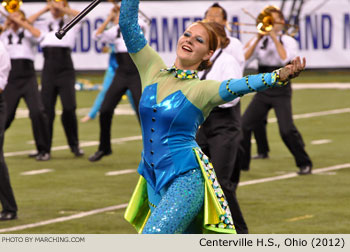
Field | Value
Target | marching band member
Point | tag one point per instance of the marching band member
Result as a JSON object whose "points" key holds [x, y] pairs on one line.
{"points": [[7, 198], [58, 75], [274, 50], [220, 135], [20, 39], [216, 13]]}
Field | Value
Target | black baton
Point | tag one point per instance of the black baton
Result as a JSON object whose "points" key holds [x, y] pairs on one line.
{"points": [[61, 32]]}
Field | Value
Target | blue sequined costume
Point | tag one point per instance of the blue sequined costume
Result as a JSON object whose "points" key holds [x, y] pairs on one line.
{"points": [[173, 104]]}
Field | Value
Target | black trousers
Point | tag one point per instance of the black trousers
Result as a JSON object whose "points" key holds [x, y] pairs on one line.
{"points": [[126, 77], [58, 79], [260, 135], [22, 83], [219, 137], [7, 198], [256, 113]]}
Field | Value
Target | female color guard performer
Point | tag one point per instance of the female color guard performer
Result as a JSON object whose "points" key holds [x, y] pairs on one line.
{"points": [[176, 178]]}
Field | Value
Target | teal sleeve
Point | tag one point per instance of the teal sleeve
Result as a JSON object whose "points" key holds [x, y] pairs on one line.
{"points": [[128, 22], [233, 88]]}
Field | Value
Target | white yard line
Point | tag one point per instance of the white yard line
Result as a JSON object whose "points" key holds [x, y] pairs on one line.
{"points": [[308, 216], [83, 144], [134, 138], [121, 172], [122, 206], [62, 219], [126, 109], [122, 109], [35, 172], [315, 114], [321, 141], [294, 174], [334, 85]]}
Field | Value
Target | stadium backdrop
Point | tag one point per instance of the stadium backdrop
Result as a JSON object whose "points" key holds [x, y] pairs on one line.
{"points": [[324, 35]]}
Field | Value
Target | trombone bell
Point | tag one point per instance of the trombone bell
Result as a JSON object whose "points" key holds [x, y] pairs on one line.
{"points": [[11, 5], [264, 22]]}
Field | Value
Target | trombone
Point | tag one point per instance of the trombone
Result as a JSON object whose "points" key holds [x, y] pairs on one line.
{"points": [[264, 24], [11, 5]]}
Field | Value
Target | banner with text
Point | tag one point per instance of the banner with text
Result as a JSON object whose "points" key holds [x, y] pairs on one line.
{"points": [[323, 37]]}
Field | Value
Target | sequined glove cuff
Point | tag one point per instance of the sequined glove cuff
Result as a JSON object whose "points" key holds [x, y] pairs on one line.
{"points": [[275, 78], [128, 22]]}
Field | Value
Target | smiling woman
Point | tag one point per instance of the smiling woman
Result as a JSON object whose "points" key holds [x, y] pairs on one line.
{"points": [[177, 181], [192, 48]]}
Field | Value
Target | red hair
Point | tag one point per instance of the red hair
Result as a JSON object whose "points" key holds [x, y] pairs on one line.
{"points": [[213, 44]]}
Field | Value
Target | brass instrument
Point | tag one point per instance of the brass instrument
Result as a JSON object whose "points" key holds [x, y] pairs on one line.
{"points": [[11, 5], [264, 22]]}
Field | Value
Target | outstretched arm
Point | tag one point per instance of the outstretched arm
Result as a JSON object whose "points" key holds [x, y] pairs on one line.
{"points": [[231, 89]]}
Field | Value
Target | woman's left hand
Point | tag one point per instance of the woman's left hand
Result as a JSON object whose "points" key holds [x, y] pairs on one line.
{"points": [[293, 69]]}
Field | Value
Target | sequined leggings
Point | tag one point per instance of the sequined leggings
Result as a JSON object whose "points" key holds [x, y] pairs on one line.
{"points": [[175, 207]]}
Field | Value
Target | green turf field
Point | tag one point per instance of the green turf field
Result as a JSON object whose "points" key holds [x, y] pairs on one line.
{"points": [[317, 203]]}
